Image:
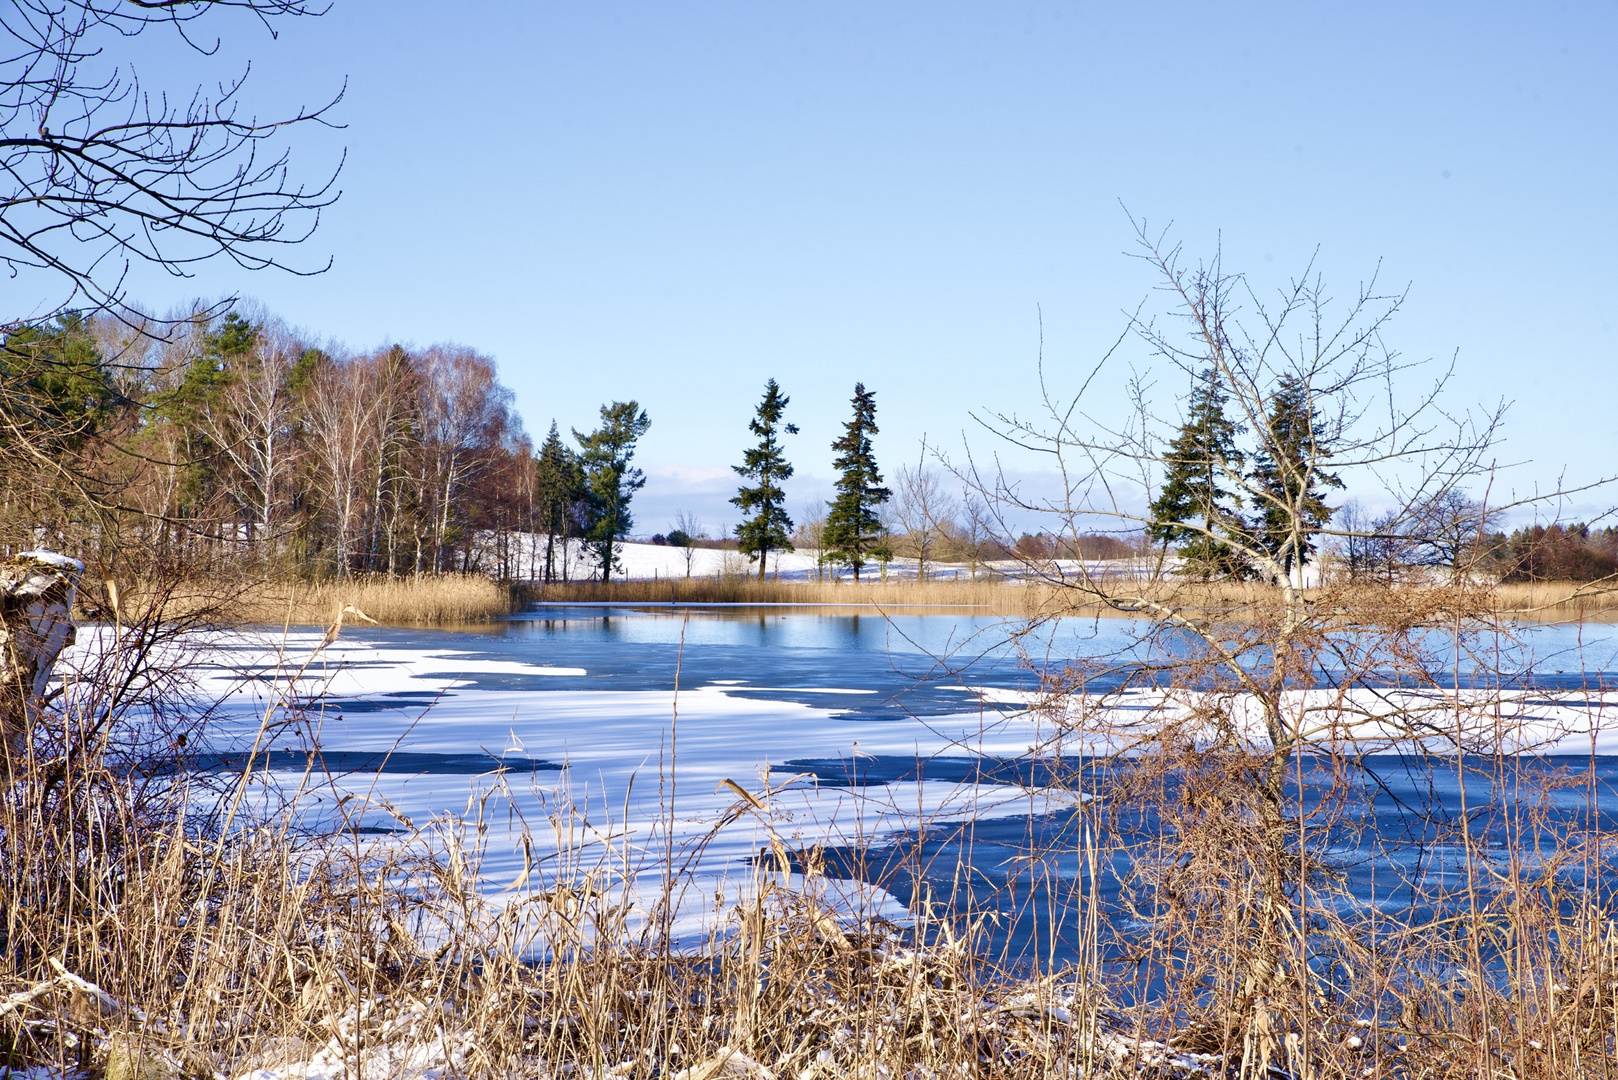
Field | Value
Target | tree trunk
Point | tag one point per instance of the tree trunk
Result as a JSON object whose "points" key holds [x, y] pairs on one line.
{"points": [[36, 624]]}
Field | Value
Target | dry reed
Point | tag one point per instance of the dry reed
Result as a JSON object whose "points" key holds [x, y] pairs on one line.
{"points": [[1052, 596], [447, 600]]}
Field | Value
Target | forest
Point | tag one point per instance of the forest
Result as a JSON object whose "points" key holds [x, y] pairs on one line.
{"points": [[222, 437]]}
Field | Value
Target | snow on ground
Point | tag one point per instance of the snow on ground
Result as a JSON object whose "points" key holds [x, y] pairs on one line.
{"points": [[637, 561], [643, 561], [638, 770]]}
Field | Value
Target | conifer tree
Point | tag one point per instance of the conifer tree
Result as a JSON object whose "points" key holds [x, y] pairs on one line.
{"points": [[1194, 509], [610, 482], [765, 525], [558, 489], [853, 529], [1288, 479]]}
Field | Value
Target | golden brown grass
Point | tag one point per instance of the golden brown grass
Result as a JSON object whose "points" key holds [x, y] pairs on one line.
{"points": [[467, 599], [236, 599], [1001, 596], [994, 595], [984, 594], [423, 601], [1558, 599]]}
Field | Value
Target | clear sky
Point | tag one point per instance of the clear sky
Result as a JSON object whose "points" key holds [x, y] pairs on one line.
{"points": [[675, 202]]}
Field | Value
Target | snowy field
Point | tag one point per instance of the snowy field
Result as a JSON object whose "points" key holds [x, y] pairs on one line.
{"points": [[648, 562]]}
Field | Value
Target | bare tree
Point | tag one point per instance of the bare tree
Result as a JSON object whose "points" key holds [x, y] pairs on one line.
{"points": [[690, 528], [921, 508], [344, 407], [1375, 547], [1234, 664], [1448, 530], [969, 535], [102, 169], [464, 413], [251, 425], [811, 534]]}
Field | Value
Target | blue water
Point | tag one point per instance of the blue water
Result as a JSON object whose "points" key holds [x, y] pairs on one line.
{"points": [[908, 658], [1395, 845]]}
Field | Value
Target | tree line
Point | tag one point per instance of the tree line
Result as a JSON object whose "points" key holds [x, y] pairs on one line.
{"points": [[226, 437], [1224, 509]]}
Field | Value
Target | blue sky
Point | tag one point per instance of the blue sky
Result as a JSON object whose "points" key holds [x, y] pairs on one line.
{"points": [[675, 202]]}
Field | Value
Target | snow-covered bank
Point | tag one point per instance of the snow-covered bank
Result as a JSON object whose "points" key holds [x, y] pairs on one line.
{"points": [[639, 561]]}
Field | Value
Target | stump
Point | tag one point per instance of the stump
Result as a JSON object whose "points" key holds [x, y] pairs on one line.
{"points": [[36, 624]]}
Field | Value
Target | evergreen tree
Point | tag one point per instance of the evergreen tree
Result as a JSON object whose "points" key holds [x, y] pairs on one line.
{"points": [[1194, 510], [765, 525], [853, 529], [1288, 476], [558, 489], [54, 387], [609, 481]]}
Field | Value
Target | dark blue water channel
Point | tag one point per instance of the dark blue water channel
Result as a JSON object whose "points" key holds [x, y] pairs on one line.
{"points": [[916, 662], [1392, 842]]}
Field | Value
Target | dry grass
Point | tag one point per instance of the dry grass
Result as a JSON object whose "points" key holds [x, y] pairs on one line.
{"points": [[989, 595], [462, 600], [996, 595], [1029, 599], [449, 600], [1558, 599]]}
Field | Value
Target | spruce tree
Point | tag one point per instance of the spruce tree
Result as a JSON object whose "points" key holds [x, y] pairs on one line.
{"points": [[853, 529], [1194, 510], [1289, 477], [765, 525], [558, 489], [609, 481]]}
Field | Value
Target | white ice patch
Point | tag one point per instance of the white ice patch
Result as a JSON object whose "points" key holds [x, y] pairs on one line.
{"points": [[643, 772]]}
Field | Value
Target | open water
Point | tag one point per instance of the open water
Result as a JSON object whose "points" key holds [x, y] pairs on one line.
{"points": [[849, 704]]}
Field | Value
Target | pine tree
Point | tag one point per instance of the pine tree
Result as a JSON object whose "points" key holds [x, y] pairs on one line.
{"points": [[558, 488], [765, 525], [853, 529], [610, 482], [1289, 477], [1194, 510]]}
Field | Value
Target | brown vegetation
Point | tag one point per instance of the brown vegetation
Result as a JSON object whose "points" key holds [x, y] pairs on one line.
{"points": [[450, 599], [1000, 596], [144, 924], [447, 600]]}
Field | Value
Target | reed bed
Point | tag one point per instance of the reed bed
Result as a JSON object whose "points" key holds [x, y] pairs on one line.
{"points": [[1000, 596], [449, 600], [1050, 595], [1558, 599], [142, 941], [446, 600], [989, 595]]}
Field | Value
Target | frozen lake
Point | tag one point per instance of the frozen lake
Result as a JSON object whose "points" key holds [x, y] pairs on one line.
{"points": [[900, 743]]}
